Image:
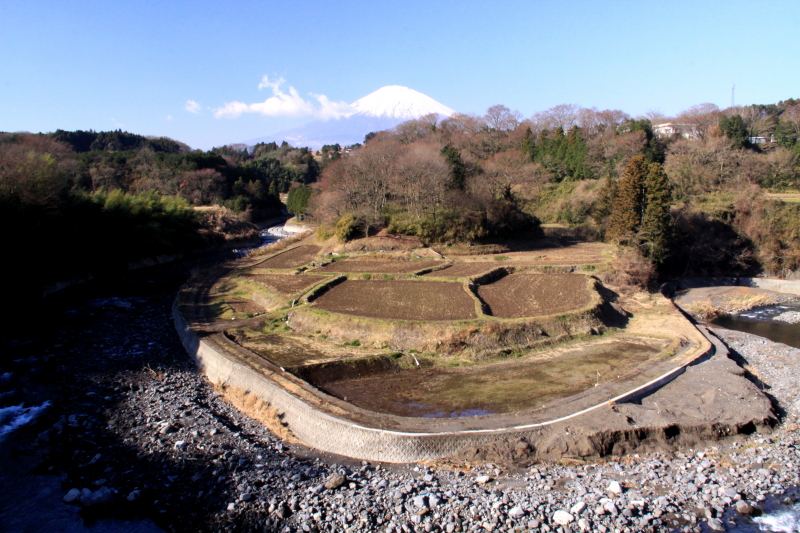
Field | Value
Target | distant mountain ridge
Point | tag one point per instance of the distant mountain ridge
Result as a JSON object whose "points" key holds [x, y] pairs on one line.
{"points": [[381, 110]]}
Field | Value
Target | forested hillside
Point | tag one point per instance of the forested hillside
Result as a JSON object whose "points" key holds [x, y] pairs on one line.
{"points": [[719, 196], [80, 202], [695, 202]]}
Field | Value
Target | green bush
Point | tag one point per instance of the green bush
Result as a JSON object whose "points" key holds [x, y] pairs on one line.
{"points": [[347, 227]]}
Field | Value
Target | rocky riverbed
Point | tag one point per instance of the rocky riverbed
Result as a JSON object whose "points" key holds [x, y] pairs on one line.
{"points": [[134, 439]]}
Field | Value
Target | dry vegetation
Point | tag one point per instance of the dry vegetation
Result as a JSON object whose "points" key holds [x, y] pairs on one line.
{"points": [[463, 270], [287, 284], [348, 266]]}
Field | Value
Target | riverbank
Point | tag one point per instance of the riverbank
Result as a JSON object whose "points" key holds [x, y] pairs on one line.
{"points": [[149, 439]]}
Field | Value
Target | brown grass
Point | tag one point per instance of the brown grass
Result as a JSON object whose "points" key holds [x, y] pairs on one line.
{"points": [[257, 409], [463, 270], [287, 284], [349, 266]]}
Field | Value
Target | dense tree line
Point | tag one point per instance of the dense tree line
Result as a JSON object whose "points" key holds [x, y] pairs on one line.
{"points": [[91, 202], [603, 172]]}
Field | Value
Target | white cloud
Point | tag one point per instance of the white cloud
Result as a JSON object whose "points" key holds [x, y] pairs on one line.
{"points": [[286, 104], [192, 107], [169, 117]]}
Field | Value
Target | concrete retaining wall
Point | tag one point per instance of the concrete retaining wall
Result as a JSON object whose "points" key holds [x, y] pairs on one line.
{"points": [[336, 435]]}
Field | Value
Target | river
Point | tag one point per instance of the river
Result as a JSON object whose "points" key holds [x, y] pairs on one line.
{"points": [[772, 322]]}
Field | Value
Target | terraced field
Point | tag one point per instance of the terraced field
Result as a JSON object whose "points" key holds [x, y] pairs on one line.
{"points": [[296, 257], [530, 295], [399, 300], [464, 270], [352, 266], [287, 284]]}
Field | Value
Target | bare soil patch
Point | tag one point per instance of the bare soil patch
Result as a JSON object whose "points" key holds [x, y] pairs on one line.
{"points": [[296, 257], [464, 270], [287, 284], [399, 300], [529, 295], [351, 266]]}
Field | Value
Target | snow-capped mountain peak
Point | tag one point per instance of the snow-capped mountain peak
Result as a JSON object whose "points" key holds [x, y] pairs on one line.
{"points": [[398, 102], [382, 110]]}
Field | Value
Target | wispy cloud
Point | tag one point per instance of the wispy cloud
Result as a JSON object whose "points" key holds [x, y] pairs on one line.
{"points": [[169, 117], [286, 104], [192, 107]]}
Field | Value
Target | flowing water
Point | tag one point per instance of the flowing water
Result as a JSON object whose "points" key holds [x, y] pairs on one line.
{"points": [[778, 323]]}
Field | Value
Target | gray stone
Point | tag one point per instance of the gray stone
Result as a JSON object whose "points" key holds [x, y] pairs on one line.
{"points": [[134, 495], [614, 487], [730, 493], [742, 507], [334, 481], [72, 495], [715, 524]]}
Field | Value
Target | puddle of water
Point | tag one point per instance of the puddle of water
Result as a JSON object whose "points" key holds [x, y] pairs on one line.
{"points": [[766, 322]]}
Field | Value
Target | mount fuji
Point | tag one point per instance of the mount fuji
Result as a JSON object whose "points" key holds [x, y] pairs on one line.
{"points": [[381, 110]]}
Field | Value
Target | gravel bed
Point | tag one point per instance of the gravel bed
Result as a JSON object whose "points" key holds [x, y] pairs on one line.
{"points": [[135, 436]]}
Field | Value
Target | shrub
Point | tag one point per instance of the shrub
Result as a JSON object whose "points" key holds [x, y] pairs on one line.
{"points": [[346, 227]]}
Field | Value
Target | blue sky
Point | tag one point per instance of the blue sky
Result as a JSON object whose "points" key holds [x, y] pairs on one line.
{"points": [[137, 65]]}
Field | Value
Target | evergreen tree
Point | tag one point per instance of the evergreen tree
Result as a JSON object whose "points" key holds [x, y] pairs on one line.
{"points": [[656, 229], [458, 174], [627, 212], [735, 130], [527, 143]]}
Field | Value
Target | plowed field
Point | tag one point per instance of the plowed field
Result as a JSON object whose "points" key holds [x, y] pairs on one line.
{"points": [[527, 295], [377, 267], [285, 284], [399, 300], [464, 270], [296, 257]]}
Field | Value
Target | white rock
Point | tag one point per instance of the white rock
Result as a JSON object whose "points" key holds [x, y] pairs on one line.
{"points": [[584, 524], [614, 487], [562, 518], [72, 495], [483, 479], [578, 508], [516, 512]]}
